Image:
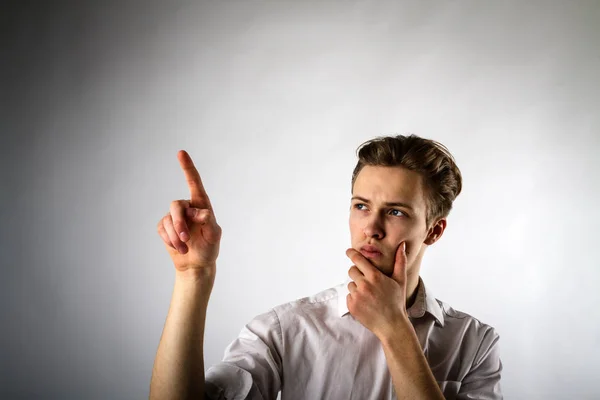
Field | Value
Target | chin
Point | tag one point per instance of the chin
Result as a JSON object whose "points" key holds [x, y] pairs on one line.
{"points": [[385, 269]]}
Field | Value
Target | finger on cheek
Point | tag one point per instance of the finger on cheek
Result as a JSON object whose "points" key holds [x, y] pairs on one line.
{"points": [[402, 252]]}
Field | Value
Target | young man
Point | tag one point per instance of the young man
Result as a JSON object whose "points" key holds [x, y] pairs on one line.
{"points": [[380, 335]]}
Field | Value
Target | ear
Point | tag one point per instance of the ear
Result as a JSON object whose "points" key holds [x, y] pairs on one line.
{"points": [[435, 232]]}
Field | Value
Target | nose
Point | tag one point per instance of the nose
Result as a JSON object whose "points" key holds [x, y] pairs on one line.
{"points": [[373, 228]]}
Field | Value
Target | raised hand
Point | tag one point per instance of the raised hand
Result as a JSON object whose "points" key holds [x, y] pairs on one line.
{"points": [[376, 300], [190, 230]]}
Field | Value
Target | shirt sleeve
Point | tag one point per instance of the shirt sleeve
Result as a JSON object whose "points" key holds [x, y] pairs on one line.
{"points": [[482, 382], [251, 367]]}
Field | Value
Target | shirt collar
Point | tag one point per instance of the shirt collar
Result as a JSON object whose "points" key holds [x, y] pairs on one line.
{"points": [[424, 302]]}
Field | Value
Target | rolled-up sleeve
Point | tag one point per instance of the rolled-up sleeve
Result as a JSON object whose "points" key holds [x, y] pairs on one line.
{"points": [[482, 382], [251, 367]]}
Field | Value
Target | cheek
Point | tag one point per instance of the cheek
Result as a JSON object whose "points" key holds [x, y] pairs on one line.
{"points": [[409, 232], [354, 234], [401, 232], [413, 250], [412, 239], [354, 225]]}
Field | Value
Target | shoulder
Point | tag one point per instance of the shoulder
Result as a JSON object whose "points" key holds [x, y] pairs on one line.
{"points": [[456, 317], [474, 334], [320, 304]]}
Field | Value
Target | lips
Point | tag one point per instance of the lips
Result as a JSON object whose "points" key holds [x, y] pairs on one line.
{"points": [[370, 251]]}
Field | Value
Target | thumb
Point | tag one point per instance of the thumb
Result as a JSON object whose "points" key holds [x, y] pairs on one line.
{"points": [[205, 217], [200, 215], [400, 263]]}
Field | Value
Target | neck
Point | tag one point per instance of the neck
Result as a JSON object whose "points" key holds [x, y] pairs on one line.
{"points": [[411, 292]]}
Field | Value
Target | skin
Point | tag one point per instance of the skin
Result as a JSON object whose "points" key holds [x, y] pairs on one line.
{"points": [[382, 286]]}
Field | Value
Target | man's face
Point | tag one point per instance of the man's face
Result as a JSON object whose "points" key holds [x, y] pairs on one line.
{"points": [[388, 207]]}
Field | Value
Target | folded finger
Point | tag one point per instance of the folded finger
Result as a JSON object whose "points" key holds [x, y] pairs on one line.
{"points": [[163, 234], [352, 287], [177, 210], [177, 243], [355, 274], [364, 265]]}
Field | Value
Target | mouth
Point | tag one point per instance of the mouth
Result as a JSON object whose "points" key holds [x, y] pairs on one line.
{"points": [[371, 252]]}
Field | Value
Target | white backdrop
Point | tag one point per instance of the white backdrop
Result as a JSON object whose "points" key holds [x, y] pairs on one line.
{"points": [[271, 101]]}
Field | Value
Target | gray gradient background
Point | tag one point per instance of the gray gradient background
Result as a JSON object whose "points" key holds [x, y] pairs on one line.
{"points": [[271, 100]]}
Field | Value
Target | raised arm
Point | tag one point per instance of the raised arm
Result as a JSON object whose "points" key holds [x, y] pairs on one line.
{"points": [[192, 236]]}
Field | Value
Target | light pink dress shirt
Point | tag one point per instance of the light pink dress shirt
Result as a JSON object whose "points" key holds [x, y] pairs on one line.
{"points": [[313, 348]]}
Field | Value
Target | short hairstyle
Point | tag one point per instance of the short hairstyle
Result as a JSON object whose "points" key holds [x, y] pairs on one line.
{"points": [[432, 160]]}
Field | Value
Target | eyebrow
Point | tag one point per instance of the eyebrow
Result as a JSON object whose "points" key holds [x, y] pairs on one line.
{"points": [[393, 204]]}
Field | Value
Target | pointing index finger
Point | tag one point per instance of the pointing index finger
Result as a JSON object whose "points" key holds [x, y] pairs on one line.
{"points": [[199, 198]]}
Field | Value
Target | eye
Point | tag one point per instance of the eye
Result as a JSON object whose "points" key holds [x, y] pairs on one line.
{"points": [[359, 206], [396, 213]]}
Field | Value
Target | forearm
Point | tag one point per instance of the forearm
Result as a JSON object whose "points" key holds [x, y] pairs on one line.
{"points": [[408, 366], [178, 371]]}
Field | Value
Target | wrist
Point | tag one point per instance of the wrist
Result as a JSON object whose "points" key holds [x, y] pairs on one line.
{"points": [[194, 287], [204, 276], [397, 332]]}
